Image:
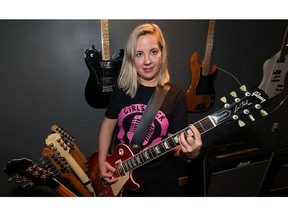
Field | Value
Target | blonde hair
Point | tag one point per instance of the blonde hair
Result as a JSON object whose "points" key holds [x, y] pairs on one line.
{"points": [[128, 78]]}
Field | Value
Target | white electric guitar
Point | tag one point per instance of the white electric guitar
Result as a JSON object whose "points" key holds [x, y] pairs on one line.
{"points": [[275, 70]]}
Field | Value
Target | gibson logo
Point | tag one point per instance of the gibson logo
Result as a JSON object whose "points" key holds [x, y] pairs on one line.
{"points": [[241, 164], [258, 95]]}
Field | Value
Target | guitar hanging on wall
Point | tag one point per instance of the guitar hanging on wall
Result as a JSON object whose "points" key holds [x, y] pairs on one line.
{"points": [[275, 70], [104, 71], [200, 94]]}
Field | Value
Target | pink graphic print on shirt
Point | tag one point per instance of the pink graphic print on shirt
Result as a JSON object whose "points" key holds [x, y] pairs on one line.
{"points": [[157, 130]]}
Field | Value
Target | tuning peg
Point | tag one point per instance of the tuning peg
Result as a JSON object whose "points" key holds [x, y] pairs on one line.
{"points": [[241, 123], [223, 99], [233, 94], [243, 88], [251, 117], [263, 112]]}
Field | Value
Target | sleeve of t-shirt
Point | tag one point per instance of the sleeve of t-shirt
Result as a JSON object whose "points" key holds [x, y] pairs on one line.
{"points": [[112, 109]]}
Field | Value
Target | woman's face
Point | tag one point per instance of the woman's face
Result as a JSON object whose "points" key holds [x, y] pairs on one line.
{"points": [[148, 59]]}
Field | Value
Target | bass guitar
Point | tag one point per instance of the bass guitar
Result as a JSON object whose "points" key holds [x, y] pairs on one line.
{"points": [[104, 71], [275, 70], [23, 171], [124, 161], [200, 94]]}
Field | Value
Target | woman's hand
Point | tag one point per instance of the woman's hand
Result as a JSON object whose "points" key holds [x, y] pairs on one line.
{"points": [[191, 144], [107, 172]]}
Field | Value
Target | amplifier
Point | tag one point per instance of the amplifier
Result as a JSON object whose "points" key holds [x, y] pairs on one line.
{"points": [[276, 181], [236, 169]]}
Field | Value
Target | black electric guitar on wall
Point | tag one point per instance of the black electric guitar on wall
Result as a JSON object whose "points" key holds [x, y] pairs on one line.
{"points": [[200, 94], [247, 106], [104, 71], [275, 70]]}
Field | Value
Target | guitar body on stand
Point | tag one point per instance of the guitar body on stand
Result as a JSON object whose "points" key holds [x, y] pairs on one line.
{"points": [[275, 70], [124, 161], [104, 71], [200, 94]]}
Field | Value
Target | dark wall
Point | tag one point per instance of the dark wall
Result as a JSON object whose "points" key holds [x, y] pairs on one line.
{"points": [[43, 78]]}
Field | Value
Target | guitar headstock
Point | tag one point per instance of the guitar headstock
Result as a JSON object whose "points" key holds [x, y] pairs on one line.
{"points": [[56, 143], [53, 162], [242, 106], [69, 140], [23, 171]]}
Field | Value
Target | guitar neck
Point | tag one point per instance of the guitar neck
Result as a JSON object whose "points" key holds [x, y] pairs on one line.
{"points": [[164, 146], [52, 161], [105, 40], [79, 172], [284, 49], [209, 46], [63, 191]]}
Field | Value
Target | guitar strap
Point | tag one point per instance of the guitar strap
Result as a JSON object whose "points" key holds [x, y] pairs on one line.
{"points": [[148, 116]]}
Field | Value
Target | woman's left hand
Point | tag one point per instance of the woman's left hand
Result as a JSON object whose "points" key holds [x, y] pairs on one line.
{"points": [[191, 144]]}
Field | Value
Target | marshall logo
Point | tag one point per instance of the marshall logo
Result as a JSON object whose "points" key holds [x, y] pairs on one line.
{"points": [[258, 95]]}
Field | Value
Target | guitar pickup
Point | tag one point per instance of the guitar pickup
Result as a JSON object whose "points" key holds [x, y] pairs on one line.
{"points": [[120, 168]]}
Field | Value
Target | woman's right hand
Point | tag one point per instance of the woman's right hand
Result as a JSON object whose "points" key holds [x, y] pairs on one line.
{"points": [[107, 172]]}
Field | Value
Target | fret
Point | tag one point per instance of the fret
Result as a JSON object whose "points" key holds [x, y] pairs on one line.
{"points": [[131, 164], [138, 160], [151, 153]]}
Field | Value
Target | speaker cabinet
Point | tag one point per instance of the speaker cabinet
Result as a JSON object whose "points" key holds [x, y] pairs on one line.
{"points": [[276, 181], [235, 170]]}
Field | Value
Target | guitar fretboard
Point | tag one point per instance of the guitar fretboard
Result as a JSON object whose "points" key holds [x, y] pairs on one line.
{"points": [[163, 147], [105, 40], [209, 46]]}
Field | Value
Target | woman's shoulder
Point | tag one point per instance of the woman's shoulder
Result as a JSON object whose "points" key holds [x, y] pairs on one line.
{"points": [[176, 89]]}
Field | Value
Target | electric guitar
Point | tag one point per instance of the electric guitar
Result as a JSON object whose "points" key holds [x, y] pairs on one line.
{"points": [[275, 70], [104, 71], [55, 142], [200, 94], [124, 161], [52, 161], [23, 171], [74, 149]]}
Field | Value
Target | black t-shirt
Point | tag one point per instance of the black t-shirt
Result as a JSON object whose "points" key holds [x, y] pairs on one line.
{"points": [[170, 118]]}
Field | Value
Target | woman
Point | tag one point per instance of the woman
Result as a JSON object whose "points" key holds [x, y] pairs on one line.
{"points": [[144, 68]]}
